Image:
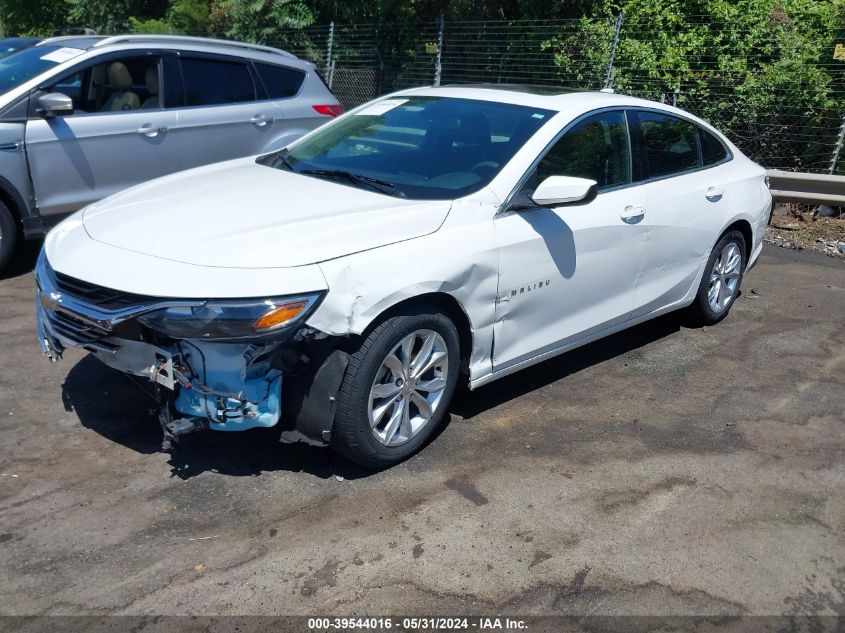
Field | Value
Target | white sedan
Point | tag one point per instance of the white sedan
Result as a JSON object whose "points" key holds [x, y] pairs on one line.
{"points": [[340, 288]]}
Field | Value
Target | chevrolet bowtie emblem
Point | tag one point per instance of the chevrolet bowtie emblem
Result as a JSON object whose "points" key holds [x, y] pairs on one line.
{"points": [[51, 301]]}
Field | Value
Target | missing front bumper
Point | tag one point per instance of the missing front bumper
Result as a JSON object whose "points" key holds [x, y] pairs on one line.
{"points": [[230, 386]]}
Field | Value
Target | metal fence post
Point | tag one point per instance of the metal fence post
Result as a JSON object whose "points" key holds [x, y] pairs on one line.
{"points": [[608, 78], [840, 139], [438, 68], [329, 45]]}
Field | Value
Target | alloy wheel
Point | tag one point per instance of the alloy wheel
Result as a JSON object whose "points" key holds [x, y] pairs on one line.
{"points": [[408, 387], [724, 277]]}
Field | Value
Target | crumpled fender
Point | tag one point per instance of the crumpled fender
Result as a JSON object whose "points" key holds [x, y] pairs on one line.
{"points": [[459, 260]]}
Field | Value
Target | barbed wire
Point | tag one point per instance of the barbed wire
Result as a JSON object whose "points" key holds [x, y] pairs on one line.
{"points": [[782, 108]]}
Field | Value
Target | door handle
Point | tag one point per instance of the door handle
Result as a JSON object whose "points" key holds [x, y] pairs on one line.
{"points": [[713, 194], [260, 120], [632, 215], [151, 130]]}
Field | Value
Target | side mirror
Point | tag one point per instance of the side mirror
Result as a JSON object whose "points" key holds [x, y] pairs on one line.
{"points": [[557, 190], [54, 104]]}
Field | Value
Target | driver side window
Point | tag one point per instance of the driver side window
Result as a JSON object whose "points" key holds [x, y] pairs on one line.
{"points": [[596, 148], [116, 85]]}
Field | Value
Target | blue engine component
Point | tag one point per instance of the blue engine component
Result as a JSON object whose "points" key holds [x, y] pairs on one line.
{"points": [[233, 385]]}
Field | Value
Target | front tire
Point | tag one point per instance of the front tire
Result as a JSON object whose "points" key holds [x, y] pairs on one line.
{"points": [[397, 389], [721, 281], [8, 235]]}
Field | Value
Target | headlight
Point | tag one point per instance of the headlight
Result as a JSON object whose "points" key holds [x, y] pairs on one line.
{"points": [[230, 319]]}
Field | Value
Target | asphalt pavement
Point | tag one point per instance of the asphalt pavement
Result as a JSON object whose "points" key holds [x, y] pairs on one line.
{"points": [[664, 470]]}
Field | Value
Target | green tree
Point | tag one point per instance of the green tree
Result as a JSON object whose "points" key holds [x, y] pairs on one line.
{"points": [[113, 16], [262, 21], [28, 17], [757, 69], [184, 17]]}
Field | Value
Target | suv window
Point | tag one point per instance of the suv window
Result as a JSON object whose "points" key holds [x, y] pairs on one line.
{"points": [[712, 149], [216, 82], [117, 85], [596, 148], [281, 82], [671, 144]]}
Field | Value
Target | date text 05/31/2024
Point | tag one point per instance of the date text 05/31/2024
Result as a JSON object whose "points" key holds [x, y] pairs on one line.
{"points": [[416, 624]]}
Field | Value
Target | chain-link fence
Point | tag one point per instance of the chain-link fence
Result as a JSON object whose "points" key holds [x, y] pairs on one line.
{"points": [[778, 96]]}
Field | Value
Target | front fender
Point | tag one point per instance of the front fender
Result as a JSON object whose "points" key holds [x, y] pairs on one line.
{"points": [[461, 263]]}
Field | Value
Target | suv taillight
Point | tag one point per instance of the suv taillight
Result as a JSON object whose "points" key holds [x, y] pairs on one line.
{"points": [[329, 110]]}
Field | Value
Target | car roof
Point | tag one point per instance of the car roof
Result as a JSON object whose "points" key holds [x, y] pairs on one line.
{"points": [[549, 97], [552, 98], [19, 40], [87, 42], [532, 89], [83, 42]]}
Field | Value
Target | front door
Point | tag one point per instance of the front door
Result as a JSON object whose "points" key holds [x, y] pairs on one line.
{"points": [[568, 271], [117, 136]]}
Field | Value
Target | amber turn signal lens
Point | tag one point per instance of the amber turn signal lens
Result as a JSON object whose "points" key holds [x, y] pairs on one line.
{"points": [[280, 315]]}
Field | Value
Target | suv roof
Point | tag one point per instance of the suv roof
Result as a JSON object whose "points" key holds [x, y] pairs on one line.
{"points": [[100, 41]]}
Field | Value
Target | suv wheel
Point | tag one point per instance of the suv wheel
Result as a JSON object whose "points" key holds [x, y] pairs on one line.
{"points": [[8, 234], [397, 389], [721, 281]]}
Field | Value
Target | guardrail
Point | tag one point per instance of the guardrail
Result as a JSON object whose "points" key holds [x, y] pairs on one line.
{"points": [[796, 186]]}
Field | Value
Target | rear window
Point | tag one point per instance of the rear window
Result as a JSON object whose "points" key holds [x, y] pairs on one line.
{"points": [[281, 82], [712, 149], [671, 144], [216, 82]]}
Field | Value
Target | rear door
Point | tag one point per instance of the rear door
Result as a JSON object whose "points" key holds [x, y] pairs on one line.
{"points": [[686, 203], [118, 135], [225, 113], [293, 92]]}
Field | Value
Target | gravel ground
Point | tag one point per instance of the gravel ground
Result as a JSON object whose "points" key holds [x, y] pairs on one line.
{"points": [[664, 470]]}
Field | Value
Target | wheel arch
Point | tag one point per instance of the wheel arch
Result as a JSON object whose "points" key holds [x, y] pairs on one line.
{"points": [[744, 227], [443, 301], [12, 198]]}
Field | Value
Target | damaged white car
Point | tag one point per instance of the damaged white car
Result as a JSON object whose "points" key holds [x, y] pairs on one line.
{"points": [[339, 289]]}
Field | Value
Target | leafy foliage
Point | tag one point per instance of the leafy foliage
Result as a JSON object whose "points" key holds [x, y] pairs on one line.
{"points": [[262, 20], [25, 17], [761, 70], [758, 69]]}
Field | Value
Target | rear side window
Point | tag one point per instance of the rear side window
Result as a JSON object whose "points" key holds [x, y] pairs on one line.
{"points": [[595, 148], [670, 143], [712, 150], [280, 82], [216, 82]]}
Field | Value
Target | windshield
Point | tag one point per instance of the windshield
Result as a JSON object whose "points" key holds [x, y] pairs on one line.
{"points": [[31, 62], [417, 147]]}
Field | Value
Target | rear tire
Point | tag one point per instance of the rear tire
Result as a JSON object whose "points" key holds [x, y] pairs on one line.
{"points": [[397, 389], [721, 280], [8, 235]]}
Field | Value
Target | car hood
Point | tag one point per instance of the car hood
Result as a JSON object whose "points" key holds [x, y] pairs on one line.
{"points": [[240, 214]]}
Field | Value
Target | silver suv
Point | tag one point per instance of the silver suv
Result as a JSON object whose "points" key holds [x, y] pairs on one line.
{"points": [[84, 117]]}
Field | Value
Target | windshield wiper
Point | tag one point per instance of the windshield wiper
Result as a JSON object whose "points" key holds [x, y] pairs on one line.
{"points": [[382, 186], [282, 157]]}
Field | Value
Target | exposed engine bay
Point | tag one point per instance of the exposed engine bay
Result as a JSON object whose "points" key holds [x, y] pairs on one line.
{"points": [[222, 385]]}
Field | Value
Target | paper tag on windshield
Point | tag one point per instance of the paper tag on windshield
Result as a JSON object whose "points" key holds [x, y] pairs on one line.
{"points": [[381, 107], [62, 54]]}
